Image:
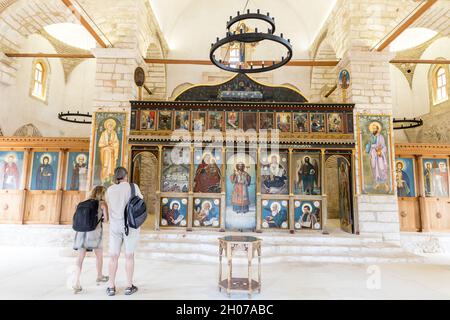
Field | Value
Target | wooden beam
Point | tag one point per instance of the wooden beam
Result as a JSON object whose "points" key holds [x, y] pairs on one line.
{"points": [[84, 23], [50, 55], [418, 12], [292, 63], [418, 61]]}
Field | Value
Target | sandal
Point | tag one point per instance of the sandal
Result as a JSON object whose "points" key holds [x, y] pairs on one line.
{"points": [[77, 289], [111, 291], [102, 279], [130, 290]]}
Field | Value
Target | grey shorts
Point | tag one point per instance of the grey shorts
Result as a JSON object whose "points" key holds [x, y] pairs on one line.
{"points": [[117, 237]]}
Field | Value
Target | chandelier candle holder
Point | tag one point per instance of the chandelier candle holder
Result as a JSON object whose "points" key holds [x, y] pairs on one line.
{"points": [[402, 124], [251, 37], [75, 117]]}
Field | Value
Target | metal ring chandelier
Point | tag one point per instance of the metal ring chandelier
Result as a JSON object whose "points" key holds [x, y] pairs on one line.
{"points": [[77, 117], [410, 123], [251, 37]]}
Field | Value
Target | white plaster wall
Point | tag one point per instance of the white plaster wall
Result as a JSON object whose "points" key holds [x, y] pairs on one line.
{"points": [[19, 108], [415, 102]]}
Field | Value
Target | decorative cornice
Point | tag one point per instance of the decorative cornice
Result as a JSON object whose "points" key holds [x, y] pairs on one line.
{"points": [[44, 142], [422, 149]]}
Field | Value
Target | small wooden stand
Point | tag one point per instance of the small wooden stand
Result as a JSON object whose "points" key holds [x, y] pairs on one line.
{"points": [[229, 245]]}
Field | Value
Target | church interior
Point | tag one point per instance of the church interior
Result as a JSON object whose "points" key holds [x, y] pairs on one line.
{"points": [[320, 127]]}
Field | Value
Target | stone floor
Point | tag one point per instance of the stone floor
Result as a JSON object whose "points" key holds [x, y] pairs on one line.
{"points": [[41, 273]]}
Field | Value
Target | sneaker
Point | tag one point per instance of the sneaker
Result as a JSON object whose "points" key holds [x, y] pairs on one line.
{"points": [[130, 290], [111, 291]]}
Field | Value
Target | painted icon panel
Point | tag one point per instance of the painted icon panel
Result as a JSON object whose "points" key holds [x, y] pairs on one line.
{"points": [[11, 170], [44, 170], [175, 170], [182, 120], [275, 214], [233, 120], [165, 120], [249, 120], [148, 120], [240, 191], [374, 140], [301, 122], [345, 194], [208, 173], [307, 179], [109, 145], [266, 121], [404, 176], [435, 176], [199, 120], [215, 120], [284, 122], [174, 212], [275, 173], [207, 212], [317, 122], [77, 171], [307, 214], [335, 123]]}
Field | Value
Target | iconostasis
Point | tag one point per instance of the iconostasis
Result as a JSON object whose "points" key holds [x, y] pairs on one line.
{"points": [[42, 179]]}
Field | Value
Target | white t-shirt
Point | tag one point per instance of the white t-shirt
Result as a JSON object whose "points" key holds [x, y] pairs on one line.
{"points": [[118, 196]]}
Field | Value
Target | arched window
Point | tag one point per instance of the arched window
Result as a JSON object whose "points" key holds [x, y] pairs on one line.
{"points": [[441, 85], [39, 80]]}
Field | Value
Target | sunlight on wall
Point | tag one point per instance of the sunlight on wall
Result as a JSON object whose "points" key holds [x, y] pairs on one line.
{"points": [[72, 34]]}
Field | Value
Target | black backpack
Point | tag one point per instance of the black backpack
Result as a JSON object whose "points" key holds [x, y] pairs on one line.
{"points": [[85, 218], [135, 212]]}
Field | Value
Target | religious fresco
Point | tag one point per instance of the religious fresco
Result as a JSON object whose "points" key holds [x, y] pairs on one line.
{"points": [[109, 143], [44, 171], [350, 124], [249, 121], [148, 120], [317, 122], [345, 195], [375, 154], [207, 212], [435, 176], [301, 122], [275, 214], [215, 120], [266, 121], [284, 122], [335, 123], [307, 214], [208, 175], [11, 169], [198, 120], [233, 120], [240, 191], [174, 212], [77, 171], [165, 121], [175, 170], [275, 173], [307, 174], [404, 176], [182, 120]]}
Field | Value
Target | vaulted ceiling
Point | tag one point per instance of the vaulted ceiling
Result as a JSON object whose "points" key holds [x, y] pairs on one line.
{"points": [[190, 26]]}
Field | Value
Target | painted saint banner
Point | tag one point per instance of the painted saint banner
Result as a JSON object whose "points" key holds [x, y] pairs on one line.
{"points": [[374, 134], [44, 172]]}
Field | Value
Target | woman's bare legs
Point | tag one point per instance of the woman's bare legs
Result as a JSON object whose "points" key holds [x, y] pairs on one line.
{"points": [[79, 265]]}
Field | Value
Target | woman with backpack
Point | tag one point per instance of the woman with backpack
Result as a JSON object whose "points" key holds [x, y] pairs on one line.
{"points": [[92, 240]]}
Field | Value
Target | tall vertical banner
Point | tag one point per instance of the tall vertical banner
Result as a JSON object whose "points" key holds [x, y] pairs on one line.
{"points": [[108, 147], [374, 139]]}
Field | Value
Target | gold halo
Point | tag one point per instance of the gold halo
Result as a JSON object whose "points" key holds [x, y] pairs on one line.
{"points": [[275, 203], [50, 158], [273, 155], [13, 155], [307, 205], [428, 162], [303, 159], [174, 202], [108, 121], [81, 156], [402, 162], [380, 126], [205, 202], [207, 154]]}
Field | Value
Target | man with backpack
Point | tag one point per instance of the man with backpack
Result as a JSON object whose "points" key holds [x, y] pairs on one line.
{"points": [[123, 198]]}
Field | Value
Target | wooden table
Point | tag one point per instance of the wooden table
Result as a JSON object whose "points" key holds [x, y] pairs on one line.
{"points": [[228, 246]]}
